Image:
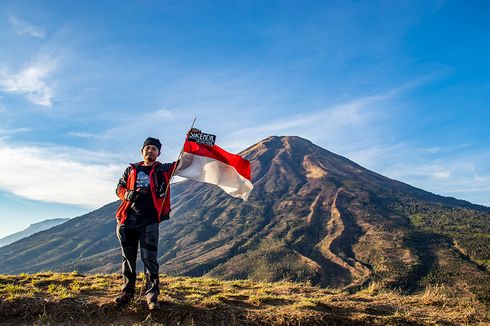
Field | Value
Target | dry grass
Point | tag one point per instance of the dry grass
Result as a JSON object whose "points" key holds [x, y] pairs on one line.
{"points": [[75, 299]]}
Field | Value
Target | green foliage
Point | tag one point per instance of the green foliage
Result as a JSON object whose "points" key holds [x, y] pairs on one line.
{"points": [[464, 232], [274, 261], [468, 228]]}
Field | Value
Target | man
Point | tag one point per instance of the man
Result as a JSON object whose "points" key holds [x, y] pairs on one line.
{"points": [[142, 191]]}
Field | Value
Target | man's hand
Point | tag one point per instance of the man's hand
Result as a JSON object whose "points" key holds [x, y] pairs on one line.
{"points": [[195, 130], [161, 190], [130, 196]]}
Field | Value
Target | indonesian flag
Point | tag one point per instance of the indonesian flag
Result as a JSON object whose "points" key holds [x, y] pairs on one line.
{"points": [[214, 165]]}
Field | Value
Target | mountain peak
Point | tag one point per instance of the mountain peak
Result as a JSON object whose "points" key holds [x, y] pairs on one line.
{"points": [[276, 142], [296, 160]]}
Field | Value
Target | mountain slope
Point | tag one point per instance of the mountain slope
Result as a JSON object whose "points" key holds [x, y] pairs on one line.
{"points": [[56, 248], [313, 215], [33, 228]]}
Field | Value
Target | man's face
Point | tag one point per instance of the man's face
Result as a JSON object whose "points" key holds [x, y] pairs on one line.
{"points": [[150, 153]]}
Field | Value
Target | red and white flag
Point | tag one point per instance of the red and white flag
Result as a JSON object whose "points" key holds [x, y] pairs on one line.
{"points": [[214, 165]]}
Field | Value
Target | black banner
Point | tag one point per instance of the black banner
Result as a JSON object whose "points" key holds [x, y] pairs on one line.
{"points": [[202, 138]]}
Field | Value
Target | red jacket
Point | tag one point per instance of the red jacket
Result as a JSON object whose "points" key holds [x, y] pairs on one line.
{"points": [[160, 173]]}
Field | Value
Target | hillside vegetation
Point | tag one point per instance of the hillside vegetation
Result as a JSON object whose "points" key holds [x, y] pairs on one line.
{"points": [[461, 239], [76, 299], [469, 229]]}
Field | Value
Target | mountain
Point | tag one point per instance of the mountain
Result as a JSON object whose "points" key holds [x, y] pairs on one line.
{"points": [[313, 216], [33, 228]]}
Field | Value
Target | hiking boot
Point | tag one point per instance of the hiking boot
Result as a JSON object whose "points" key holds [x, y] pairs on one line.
{"points": [[124, 299], [153, 304]]}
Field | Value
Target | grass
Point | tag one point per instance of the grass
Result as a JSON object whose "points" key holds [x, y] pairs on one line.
{"points": [[55, 298]]}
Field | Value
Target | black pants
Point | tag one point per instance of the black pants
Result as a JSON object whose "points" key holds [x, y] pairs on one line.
{"points": [[147, 238]]}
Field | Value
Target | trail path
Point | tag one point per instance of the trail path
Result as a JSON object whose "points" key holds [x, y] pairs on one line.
{"points": [[335, 230]]}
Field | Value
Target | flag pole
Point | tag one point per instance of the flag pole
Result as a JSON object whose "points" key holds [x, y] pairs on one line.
{"points": [[173, 170]]}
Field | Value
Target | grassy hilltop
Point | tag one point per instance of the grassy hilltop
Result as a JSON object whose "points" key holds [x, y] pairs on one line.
{"points": [[76, 299]]}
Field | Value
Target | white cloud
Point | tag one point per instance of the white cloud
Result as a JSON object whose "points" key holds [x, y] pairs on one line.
{"points": [[7, 132], [162, 124], [448, 173], [31, 82], [24, 28], [145, 121], [59, 174], [369, 156], [82, 134], [462, 176], [332, 125], [432, 171], [164, 113]]}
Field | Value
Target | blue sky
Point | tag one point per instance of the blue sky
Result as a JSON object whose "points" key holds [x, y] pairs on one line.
{"points": [[400, 87]]}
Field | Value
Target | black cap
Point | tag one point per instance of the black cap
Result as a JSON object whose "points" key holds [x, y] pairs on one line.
{"points": [[153, 141]]}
